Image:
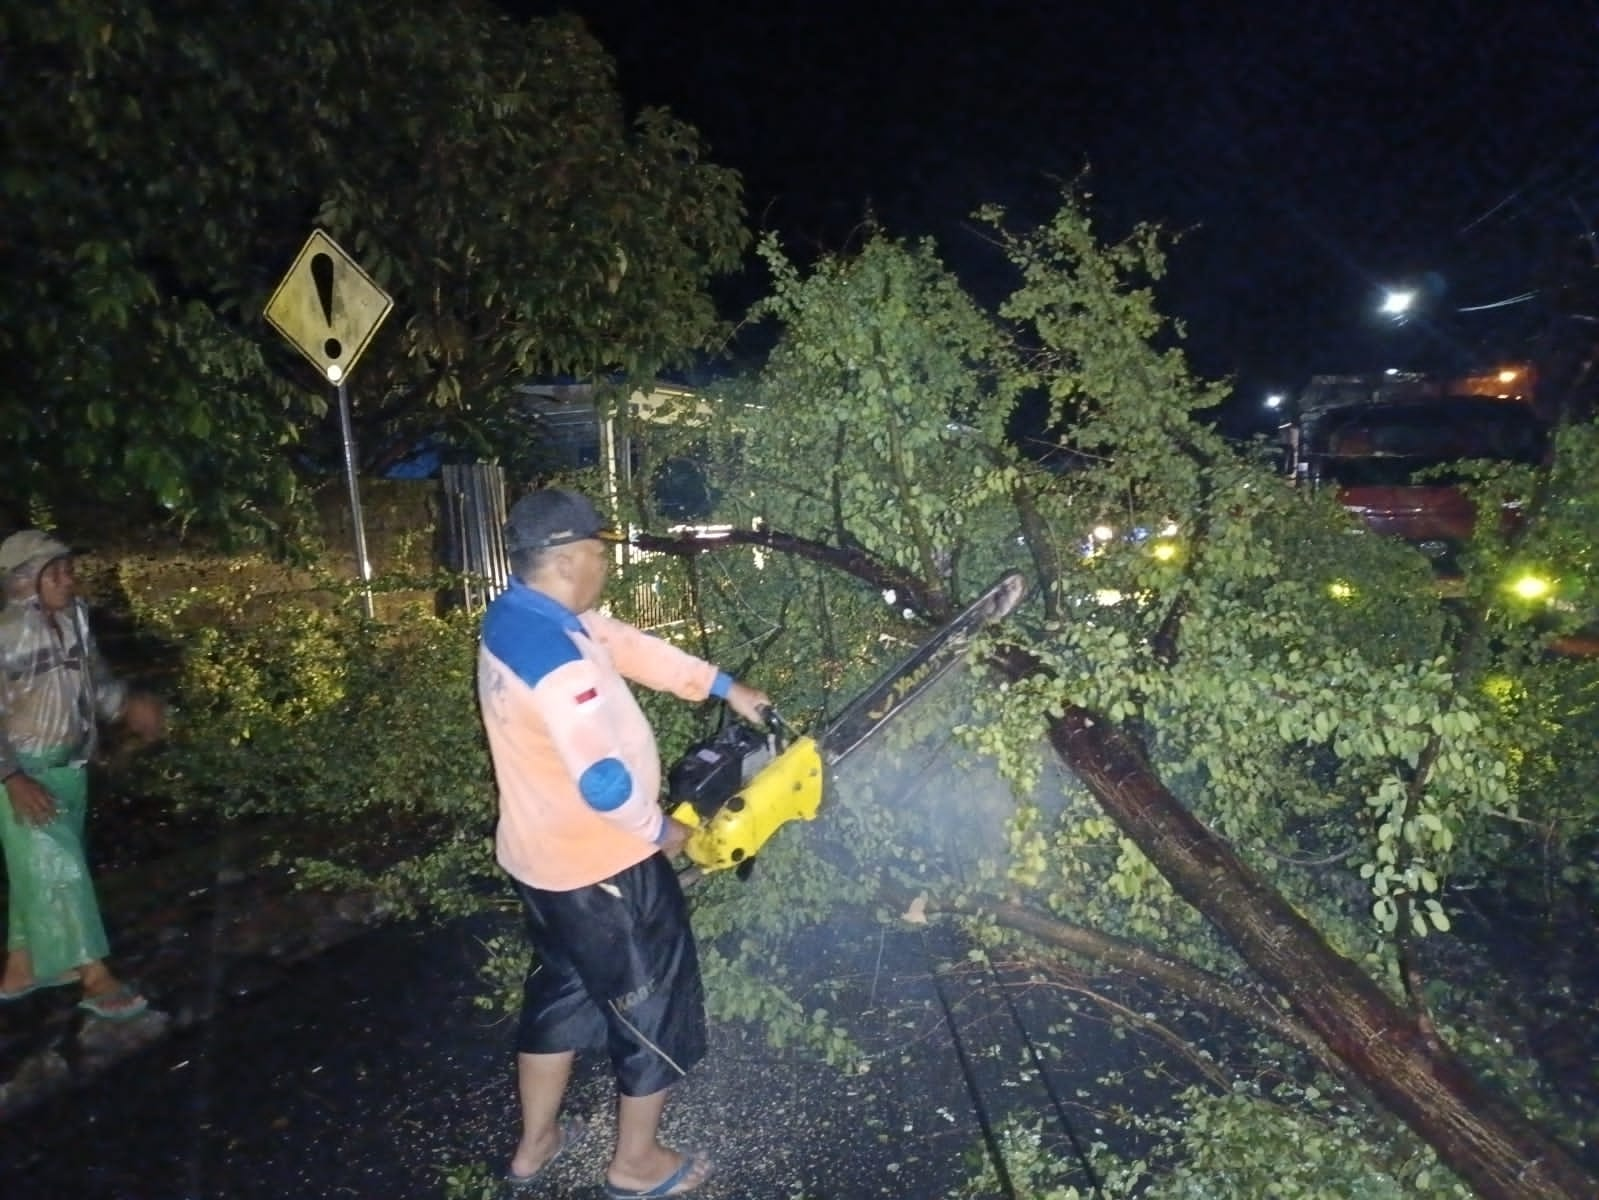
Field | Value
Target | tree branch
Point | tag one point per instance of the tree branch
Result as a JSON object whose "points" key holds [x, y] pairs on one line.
{"points": [[930, 604], [1171, 973], [1164, 643], [1040, 545]]}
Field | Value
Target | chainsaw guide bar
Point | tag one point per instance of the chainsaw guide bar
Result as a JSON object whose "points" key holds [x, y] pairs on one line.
{"points": [[736, 794], [878, 704]]}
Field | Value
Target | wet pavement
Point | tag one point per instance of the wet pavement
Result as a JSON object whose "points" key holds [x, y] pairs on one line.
{"points": [[369, 1072], [194, 929], [302, 1047]]}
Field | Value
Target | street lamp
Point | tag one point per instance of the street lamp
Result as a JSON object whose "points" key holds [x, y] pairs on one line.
{"points": [[1275, 400], [1396, 302]]}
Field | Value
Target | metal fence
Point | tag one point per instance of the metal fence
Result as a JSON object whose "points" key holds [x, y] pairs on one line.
{"points": [[654, 601], [473, 546], [473, 531]]}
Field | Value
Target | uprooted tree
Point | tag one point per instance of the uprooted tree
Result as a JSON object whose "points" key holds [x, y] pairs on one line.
{"points": [[1287, 750]]}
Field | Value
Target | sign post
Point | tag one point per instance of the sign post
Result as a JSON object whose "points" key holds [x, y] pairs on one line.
{"points": [[328, 308]]}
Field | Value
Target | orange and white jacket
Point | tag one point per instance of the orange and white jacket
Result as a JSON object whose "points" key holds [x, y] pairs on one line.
{"points": [[575, 759]]}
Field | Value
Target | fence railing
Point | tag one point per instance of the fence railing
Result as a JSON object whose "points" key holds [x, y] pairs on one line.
{"points": [[651, 604], [473, 545], [472, 530]]}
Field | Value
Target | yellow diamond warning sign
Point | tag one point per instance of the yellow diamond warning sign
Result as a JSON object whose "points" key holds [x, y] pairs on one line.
{"points": [[328, 307]]}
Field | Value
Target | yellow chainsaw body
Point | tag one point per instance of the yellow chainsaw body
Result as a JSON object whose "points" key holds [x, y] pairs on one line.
{"points": [[786, 789]]}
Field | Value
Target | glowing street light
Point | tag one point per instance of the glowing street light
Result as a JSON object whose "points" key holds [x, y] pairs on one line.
{"points": [[1275, 400], [1396, 302]]}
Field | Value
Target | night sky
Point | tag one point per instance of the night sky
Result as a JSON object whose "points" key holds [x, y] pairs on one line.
{"points": [[1314, 151]]}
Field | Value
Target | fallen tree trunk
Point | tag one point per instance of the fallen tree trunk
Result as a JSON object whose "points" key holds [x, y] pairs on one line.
{"points": [[931, 603], [1484, 1140]]}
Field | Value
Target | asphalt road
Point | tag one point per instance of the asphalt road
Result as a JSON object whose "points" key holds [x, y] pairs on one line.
{"points": [[369, 1073]]}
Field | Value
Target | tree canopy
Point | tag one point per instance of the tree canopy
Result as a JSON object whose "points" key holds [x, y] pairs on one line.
{"points": [[163, 163], [1286, 754]]}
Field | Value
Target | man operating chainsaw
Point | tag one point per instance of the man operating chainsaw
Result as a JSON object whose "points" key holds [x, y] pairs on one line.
{"points": [[582, 834]]}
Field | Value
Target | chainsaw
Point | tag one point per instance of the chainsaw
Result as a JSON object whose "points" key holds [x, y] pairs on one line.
{"points": [[738, 787]]}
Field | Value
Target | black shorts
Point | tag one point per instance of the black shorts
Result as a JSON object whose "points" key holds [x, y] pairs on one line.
{"points": [[615, 966]]}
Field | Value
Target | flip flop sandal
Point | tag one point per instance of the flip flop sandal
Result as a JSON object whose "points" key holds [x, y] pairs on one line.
{"points": [[121, 1003], [670, 1186]]}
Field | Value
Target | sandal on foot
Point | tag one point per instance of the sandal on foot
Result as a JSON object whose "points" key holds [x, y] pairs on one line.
{"points": [[121, 1003], [572, 1130], [670, 1186]]}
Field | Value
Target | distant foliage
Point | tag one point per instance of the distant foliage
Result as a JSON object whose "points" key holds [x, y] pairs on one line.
{"points": [[481, 169], [312, 713]]}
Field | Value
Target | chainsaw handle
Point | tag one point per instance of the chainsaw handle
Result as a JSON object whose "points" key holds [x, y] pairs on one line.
{"points": [[773, 721]]}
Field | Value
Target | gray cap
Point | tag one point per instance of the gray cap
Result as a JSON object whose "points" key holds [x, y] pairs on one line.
{"points": [[31, 546], [554, 517]]}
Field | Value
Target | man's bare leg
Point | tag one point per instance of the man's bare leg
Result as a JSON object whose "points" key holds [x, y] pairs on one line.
{"points": [[641, 1161], [540, 1085]]}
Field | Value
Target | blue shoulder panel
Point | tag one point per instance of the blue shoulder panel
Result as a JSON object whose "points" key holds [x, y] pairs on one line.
{"points": [[530, 643]]}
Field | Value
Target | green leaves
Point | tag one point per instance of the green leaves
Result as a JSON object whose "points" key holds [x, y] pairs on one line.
{"points": [[521, 230], [880, 410], [1295, 682]]}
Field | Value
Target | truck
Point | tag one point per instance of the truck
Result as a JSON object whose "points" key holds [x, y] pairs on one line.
{"points": [[1386, 442]]}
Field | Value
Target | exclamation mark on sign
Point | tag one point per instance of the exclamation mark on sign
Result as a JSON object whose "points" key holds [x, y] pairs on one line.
{"points": [[322, 276]]}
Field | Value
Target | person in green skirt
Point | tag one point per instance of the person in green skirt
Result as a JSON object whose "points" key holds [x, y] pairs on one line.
{"points": [[54, 690]]}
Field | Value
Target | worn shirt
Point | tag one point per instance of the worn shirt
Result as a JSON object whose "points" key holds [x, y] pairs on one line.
{"points": [[575, 759], [53, 683]]}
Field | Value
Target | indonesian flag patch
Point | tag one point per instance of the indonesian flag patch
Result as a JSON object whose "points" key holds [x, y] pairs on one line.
{"points": [[589, 697]]}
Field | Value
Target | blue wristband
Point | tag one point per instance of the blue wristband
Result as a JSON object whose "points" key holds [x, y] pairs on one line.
{"points": [[722, 685]]}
